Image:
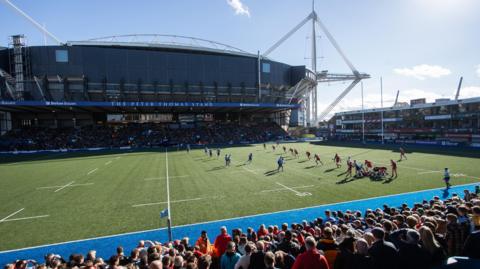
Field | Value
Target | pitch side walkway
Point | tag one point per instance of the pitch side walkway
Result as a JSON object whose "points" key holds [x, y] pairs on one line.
{"points": [[106, 245]]}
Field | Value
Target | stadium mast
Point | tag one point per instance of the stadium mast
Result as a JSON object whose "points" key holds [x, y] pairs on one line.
{"points": [[309, 96], [35, 23], [396, 99], [458, 88]]}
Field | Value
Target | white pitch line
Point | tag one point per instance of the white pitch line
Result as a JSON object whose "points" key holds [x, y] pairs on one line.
{"points": [[166, 202], [250, 170], [92, 171], [109, 162], [55, 187], [283, 189], [34, 217], [288, 188], [14, 213], [63, 187], [161, 178], [428, 172]]}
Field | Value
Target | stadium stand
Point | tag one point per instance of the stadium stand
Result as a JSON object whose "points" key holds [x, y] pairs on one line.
{"points": [[421, 236], [137, 135]]}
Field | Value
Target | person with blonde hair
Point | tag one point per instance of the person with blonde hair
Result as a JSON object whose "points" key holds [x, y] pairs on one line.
{"points": [[435, 251]]}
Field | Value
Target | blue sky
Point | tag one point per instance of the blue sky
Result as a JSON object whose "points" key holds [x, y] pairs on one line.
{"points": [[420, 47]]}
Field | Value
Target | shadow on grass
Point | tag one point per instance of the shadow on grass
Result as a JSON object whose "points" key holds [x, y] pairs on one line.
{"points": [[389, 180], [310, 167], [303, 161], [330, 170], [347, 180], [216, 168], [271, 172]]}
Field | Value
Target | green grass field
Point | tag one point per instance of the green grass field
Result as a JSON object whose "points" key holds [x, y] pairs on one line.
{"points": [[61, 197]]}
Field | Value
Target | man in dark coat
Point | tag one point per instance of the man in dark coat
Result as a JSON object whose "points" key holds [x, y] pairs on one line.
{"points": [[411, 254], [383, 253]]}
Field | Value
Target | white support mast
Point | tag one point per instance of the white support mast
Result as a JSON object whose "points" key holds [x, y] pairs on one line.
{"points": [[363, 116], [310, 96], [381, 103], [32, 21], [314, 65]]}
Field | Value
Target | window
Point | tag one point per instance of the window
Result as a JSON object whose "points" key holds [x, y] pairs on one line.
{"points": [[265, 67], [61, 56]]}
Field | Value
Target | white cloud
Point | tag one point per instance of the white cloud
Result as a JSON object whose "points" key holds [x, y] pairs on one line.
{"points": [[423, 71], [239, 7], [470, 91], [477, 70]]}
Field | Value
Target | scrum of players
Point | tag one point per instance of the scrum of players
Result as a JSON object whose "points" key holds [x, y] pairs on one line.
{"points": [[355, 168]]}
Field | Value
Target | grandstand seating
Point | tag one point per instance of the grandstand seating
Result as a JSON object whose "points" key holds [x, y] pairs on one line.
{"points": [[137, 135], [421, 236]]}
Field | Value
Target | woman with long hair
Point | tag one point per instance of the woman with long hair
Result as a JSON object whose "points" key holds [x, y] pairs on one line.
{"points": [[432, 247]]}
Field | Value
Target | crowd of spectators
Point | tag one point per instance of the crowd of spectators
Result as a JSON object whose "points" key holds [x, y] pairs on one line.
{"points": [[421, 236], [138, 135]]}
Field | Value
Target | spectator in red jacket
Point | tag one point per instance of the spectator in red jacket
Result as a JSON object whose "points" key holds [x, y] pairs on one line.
{"points": [[221, 241], [262, 231], [311, 258]]}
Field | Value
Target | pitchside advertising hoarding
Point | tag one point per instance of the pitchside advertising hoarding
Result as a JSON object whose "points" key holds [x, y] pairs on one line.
{"points": [[146, 104]]}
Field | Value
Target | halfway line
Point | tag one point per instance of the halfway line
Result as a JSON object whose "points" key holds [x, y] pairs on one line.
{"points": [[177, 201], [160, 178]]}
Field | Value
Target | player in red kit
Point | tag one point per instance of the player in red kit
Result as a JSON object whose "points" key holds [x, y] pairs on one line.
{"points": [[402, 154], [350, 168], [369, 165], [317, 159], [394, 169], [337, 160], [308, 155]]}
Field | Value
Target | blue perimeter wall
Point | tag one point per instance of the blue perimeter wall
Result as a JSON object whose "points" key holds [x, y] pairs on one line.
{"points": [[106, 245]]}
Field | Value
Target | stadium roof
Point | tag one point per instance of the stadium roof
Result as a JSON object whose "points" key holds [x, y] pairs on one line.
{"points": [[165, 42], [427, 105]]}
